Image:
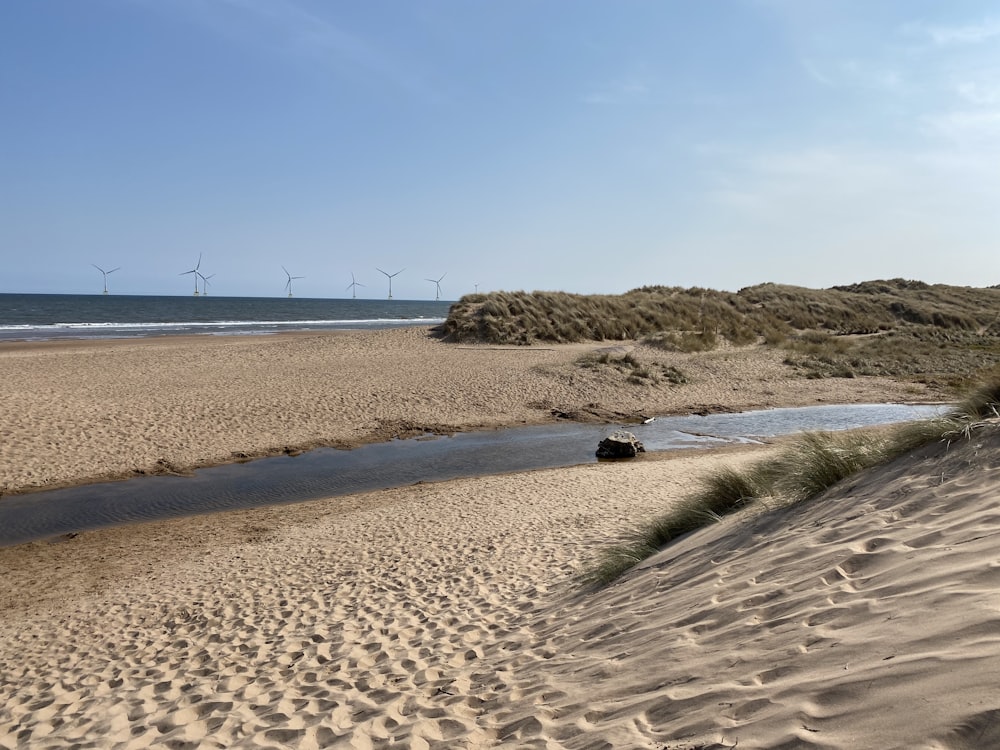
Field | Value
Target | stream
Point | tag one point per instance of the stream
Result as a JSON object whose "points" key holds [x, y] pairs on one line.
{"points": [[328, 472]]}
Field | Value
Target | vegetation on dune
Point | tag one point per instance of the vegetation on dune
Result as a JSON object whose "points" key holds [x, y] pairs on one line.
{"points": [[524, 318], [944, 357], [939, 334], [768, 310], [635, 371], [801, 471]]}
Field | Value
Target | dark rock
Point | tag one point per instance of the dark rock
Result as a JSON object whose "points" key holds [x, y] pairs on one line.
{"points": [[620, 444]]}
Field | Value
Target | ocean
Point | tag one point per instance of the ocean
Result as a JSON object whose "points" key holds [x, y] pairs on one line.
{"points": [[40, 317]]}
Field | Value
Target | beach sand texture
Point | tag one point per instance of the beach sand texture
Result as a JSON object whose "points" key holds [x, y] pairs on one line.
{"points": [[79, 411], [449, 615]]}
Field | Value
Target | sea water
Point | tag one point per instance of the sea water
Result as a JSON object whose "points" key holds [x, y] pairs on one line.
{"points": [[39, 317]]}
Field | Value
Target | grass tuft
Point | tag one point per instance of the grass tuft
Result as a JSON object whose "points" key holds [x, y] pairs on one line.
{"points": [[818, 460], [982, 403], [801, 471], [615, 561], [636, 372]]}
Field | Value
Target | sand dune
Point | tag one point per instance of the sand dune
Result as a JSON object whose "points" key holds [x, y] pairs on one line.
{"points": [[448, 615], [869, 618]]}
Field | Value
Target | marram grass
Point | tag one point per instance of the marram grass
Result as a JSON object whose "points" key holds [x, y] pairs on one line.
{"points": [[693, 318], [818, 460], [936, 334], [804, 469]]}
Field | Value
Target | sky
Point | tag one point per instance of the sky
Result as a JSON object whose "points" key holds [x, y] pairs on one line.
{"points": [[590, 147]]}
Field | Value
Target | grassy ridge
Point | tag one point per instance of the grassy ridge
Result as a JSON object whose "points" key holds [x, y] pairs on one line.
{"points": [[888, 328], [768, 310], [801, 471]]}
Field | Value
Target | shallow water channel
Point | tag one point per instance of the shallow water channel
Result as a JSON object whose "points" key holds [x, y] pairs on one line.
{"points": [[328, 472]]}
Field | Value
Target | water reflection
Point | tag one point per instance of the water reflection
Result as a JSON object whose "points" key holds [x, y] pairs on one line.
{"points": [[327, 472]]}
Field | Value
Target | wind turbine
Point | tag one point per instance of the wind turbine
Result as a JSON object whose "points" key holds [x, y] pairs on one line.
{"points": [[204, 283], [288, 284], [105, 275], [389, 276], [196, 274], [437, 282], [353, 286]]}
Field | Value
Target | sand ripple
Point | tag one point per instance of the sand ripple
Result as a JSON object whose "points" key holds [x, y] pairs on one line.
{"points": [[446, 615], [399, 619]]}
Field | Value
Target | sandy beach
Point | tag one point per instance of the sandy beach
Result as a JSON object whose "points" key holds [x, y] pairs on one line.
{"points": [[450, 615], [87, 410]]}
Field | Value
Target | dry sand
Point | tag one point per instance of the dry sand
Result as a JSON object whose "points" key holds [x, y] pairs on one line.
{"points": [[448, 615], [79, 411]]}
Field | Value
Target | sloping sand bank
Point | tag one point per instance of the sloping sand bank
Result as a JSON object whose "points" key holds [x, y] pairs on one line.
{"points": [[447, 616]]}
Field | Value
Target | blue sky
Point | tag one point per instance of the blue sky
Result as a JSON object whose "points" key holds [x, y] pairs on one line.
{"points": [[592, 147]]}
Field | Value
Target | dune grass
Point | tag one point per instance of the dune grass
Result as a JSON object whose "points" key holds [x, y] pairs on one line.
{"points": [[636, 371], [767, 310], [801, 471], [939, 334]]}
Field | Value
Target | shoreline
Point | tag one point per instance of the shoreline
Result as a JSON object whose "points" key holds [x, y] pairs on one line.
{"points": [[119, 408]]}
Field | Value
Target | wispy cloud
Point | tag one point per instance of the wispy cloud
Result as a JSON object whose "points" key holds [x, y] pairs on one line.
{"points": [[617, 91], [974, 129], [974, 33], [854, 73], [818, 75], [880, 212], [873, 76], [288, 28], [771, 183], [977, 92]]}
